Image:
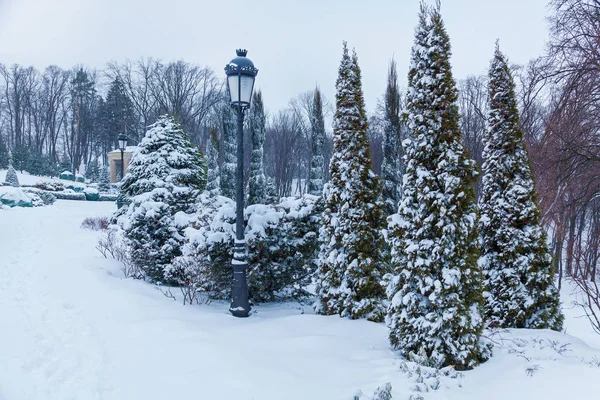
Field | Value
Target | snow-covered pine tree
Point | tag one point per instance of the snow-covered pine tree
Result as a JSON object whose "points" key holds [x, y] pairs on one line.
{"points": [[257, 182], [104, 180], [351, 258], [390, 167], [11, 177], [166, 176], [435, 317], [213, 180], [92, 170], [229, 151], [515, 260], [317, 161]]}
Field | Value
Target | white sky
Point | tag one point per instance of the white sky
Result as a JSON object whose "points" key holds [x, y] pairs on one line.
{"points": [[296, 44]]}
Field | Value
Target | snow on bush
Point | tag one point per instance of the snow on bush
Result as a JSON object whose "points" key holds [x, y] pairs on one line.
{"points": [[11, 178], [39, 197], [282, 243], [69, 194], [166, 175], [14, 197], [51, 185]]}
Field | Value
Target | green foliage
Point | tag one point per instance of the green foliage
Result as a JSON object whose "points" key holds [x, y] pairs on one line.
{"points": [[11, 177], [435, 317], [282, 246], [228, 151], [165, 177], [317, 160], [390, 168], [515, 258], [352, 259], [257, 182], [92, 171]]}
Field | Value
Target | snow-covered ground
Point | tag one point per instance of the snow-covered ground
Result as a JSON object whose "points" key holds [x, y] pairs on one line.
{"points": [[27, 179], [74, 329]]}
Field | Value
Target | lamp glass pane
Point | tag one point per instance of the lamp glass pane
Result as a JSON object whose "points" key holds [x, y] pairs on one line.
{"points": [[233, 83], [247, 85], [122, 144]]}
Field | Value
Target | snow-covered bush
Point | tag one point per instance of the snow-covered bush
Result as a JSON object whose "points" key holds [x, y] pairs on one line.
{"points": [[51, 185], [282, 245], [11, 178], [69, 194], [40, 197], [67, 175], [108, 197], [166, 175], [91, 194], [14, 197]]}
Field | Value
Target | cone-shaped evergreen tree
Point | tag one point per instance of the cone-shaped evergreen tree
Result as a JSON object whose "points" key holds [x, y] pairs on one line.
{"points": [[351, 258], [515, 260], [213, 180], [317, 161], [229, 151], [166, 176], [11, 177], [257, 182], [435, 316], [390, 167]]}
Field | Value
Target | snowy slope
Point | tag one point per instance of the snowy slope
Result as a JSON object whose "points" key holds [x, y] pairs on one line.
{"points": [[74, 329], [27, 179]]}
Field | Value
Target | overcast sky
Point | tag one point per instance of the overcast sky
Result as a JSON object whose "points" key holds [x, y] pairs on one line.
{"points": [[296, 44]]}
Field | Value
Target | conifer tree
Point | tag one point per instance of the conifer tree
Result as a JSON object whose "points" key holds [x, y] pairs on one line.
{"points": [[92, 170], [166, 176], [229, 151], [351, 259], [11, 177], [104, 180], [516, 263], [435, 316], [390, 167], [213, 180], [257, 182], [317, 161]]}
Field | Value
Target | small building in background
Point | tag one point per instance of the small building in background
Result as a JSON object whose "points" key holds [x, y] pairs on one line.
{"points": [[114, 162]]}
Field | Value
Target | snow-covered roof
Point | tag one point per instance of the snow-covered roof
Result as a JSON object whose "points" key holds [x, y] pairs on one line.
{"points": [[128, 149]]}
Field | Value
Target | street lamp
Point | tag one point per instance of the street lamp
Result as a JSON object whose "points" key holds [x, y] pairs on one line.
{"points": [[240, 81], [122, 146]]}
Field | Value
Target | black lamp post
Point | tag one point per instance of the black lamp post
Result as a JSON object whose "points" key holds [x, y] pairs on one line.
{"points": [[240, 81], [122, 146]]}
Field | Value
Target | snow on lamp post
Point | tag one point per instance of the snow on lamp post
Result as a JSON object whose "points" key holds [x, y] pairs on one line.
{"points": [[122, 146], [240, 81]]}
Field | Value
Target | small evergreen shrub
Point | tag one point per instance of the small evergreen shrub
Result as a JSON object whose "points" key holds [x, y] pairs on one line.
{"points": [[51, 185], [11, 178]]}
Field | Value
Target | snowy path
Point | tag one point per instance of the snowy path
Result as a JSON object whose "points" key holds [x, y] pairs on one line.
{"points": [[73, 329]]}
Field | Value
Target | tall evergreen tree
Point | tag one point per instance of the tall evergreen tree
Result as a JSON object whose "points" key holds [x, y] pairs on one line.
{"points": [[257, 182], [166, 176], [351, 259], [228, 151], [118, 116], [516, 263], [317, 160], [435, 316], [213, 179], [390, 168]]}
